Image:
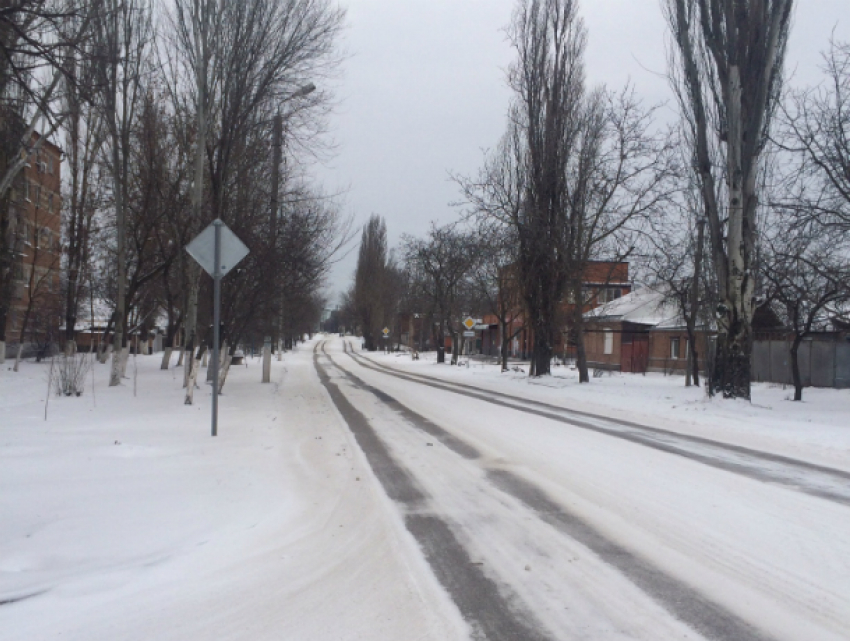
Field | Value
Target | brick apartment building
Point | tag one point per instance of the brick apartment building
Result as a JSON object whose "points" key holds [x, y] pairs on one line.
{"points": [[35, 206]]}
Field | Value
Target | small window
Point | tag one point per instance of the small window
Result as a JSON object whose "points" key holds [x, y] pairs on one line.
{"points": [[45, 238], [674, 348], [609, 342]]}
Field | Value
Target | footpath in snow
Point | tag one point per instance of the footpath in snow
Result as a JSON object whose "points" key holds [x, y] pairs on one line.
{"points": [[122, 518]]}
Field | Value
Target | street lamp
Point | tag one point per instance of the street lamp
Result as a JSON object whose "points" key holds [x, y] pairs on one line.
{"points": [[275, 204]]}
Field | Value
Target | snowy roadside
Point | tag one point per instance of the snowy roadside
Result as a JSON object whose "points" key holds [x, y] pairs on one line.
{"points": [[815, 430], [124, 519]]}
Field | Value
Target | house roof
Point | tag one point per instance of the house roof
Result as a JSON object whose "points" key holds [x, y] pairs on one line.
{"points": [[644, 306]]}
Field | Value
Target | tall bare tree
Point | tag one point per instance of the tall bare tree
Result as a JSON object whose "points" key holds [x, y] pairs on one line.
{"points": [[727, 69], [575, 176], [123, 42], [84, 140], [550, 108], [370, 277]]}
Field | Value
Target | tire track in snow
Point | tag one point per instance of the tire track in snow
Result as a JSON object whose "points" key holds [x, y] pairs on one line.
{"points": [[679, 599], [815, 480], [481, 602]]}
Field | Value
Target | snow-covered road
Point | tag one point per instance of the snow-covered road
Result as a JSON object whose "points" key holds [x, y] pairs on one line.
{"points": [[579, 533]]}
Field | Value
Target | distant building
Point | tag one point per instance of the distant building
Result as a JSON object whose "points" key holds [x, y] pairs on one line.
{"points": [[602, 281], [35, 206], [641, 332]]}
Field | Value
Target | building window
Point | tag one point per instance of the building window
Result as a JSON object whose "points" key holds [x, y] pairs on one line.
{"points": [[609, 342], [674, 348], [609, 294], [45, 239]]}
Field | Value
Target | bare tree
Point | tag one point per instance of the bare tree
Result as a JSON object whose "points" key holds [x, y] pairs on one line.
{"points": [[814, 130], [675, 252], [370, 277], [805, 271], [84, 139], [39, 41], [544, 138], [728, 74], [494, 276], [575, 176], [446, 257], [123, 41], [247, 60]]}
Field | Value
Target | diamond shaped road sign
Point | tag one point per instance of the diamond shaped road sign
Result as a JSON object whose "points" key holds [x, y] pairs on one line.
{"points": [[469, 323], [202, 249]]}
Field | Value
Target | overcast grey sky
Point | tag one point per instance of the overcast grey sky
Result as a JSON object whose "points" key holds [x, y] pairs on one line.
{"points": [[423, 93]]}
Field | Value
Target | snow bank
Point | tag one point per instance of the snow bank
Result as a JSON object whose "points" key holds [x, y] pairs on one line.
{"points": [[124, 519]]}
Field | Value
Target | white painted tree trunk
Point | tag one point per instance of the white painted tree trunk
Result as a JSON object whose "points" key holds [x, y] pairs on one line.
{"points": [[267, 363], [166, 358], [225, 368], [206, 361], [193, 377], [18, 356], [192, 338], [180, 358], [125, 357], [115, 367]]}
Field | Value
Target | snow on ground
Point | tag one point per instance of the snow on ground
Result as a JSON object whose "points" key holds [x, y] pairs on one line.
{"points": [[816, 430], [122, 518]]}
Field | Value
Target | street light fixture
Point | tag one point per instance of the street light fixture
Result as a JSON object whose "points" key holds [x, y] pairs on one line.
{"points": [[275, 204]]}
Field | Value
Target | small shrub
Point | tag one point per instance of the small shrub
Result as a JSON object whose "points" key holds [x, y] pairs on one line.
{"points": [[69, 375]]}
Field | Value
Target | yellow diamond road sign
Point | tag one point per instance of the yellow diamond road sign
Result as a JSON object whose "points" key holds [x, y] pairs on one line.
{"points": [[386, 331], [469, 323]]}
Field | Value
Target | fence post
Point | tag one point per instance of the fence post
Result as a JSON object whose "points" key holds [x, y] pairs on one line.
{"points": [[835, 364]]}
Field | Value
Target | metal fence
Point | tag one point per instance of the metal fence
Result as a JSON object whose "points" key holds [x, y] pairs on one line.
{"points": [[822, 363]]}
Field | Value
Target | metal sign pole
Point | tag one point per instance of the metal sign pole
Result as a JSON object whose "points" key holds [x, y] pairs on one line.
{"points": [[218, 250], [216, 323]]}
